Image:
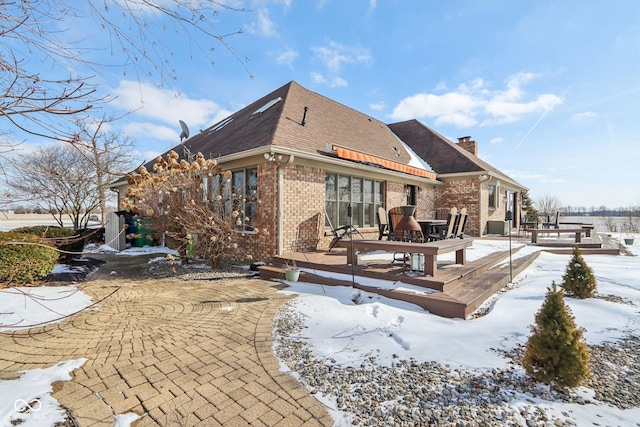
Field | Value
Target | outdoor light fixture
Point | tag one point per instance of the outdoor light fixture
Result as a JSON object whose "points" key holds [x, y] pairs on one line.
{"points": [[274, 157]]}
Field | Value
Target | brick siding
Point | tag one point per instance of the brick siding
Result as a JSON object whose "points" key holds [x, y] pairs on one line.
{"points": [[462, 193]]}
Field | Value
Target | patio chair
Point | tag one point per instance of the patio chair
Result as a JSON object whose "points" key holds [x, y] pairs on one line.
{"points": [[460, 224], [344, 232], [442, 213], [525, 224], [307, 234], [395, 215], [551, 224], [383, 224], [446, 231]]}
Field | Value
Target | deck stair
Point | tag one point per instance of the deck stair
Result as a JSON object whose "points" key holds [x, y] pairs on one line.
{"points": [[469, 295], [596, 245], [463, 288]]}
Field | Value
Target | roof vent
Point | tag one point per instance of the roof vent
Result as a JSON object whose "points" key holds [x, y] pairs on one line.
{"points": [[266, 106]]}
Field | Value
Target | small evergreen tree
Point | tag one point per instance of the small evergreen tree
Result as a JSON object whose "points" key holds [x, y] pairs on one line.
{"points": [[556, 352], [528, 205], [578, 279]]}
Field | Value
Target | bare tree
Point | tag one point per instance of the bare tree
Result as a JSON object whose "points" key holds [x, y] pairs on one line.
{"points": [[548, 204], [109, 152], [59, 179], [34, 36]]}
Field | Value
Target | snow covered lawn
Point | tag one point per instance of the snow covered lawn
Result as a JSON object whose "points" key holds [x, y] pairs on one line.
{"points": [[347, 326]]}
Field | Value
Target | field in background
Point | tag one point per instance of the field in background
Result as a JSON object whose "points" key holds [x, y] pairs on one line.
{"points": [[11, 221]]}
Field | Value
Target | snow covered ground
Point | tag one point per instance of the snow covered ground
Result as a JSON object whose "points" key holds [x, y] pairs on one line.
{"points": [[29, 397], [340, 329], [346, 331]]}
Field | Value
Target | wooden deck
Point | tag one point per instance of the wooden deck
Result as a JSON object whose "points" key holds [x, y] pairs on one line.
{"points": [[455, 292]]}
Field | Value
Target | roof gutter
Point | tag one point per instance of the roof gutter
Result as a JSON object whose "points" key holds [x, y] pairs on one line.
{"points": [[502, 178], [274, 151], [353, 165]]}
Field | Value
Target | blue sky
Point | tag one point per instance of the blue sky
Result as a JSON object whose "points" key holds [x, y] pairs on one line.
{"points": [[550, 90]]}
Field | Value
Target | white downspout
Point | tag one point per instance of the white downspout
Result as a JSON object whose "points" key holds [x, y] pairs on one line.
{"points": [[280, 205], [279, 218], [481, 220]]}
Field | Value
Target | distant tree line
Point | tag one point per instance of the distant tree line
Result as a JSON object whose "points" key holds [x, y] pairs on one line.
{"points": [[600, 211], [548, 204]]}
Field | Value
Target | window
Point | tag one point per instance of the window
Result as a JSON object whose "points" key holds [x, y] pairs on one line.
{"points": [[492, 197], [266, 106], [239, 192], [205, 189], [410, 192], [364, 196], [221, 124]]}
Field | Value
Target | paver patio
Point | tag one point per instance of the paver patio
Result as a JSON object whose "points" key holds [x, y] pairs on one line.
{"points": [[183, 353]]}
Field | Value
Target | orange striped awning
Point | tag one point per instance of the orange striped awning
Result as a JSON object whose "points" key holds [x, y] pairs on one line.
{"points": [[344, 153]]}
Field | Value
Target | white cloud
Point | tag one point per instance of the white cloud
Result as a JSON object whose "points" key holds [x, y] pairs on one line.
{"points": [[263, 26], [583, 116], [335, 55], [148, 130], [451, 108], [286, 57], [338, 82], [377, 106], [320, 79], [472, 103], [165, 106], [496, 141], [441, 86], [508, 112]]}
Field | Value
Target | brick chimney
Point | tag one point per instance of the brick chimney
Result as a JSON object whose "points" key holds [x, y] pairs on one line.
{"points": [[469, 145]]}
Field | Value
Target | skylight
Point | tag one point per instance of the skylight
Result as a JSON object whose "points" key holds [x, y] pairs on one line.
{"points": [[266, 106], [221, 124]]}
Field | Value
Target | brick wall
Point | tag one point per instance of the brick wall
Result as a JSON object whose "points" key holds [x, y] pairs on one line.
{"points": [[498, 213], [303, 195], [303, 208], [262, 248], [462, 193]]}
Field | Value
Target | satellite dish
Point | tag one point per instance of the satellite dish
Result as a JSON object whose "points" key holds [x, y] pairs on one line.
{"points": [[185, 130]]}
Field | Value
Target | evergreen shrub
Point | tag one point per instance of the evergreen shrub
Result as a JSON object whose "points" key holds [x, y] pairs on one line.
{"points": [[24, 264], [556, 352], [49, 232], [69, 242], [578, 279]]}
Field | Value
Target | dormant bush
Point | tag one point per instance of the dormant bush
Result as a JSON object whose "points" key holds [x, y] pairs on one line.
{"points": [[173, 196]]}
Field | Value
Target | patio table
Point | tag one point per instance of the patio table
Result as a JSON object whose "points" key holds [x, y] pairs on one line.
{"points": [[430, 250], [429, 225]]}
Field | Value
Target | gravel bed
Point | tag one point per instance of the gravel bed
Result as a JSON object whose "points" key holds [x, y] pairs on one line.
{"points": [[412, 393], [196, 271]]}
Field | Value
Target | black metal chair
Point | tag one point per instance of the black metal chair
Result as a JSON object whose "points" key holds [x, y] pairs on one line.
{"points": [[525, 224], [551, 224], [344, 232], [460, 224]]}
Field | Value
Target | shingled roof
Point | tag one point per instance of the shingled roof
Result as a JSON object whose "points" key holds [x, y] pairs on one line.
{"points": [[444, 156], [297, 119]]}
